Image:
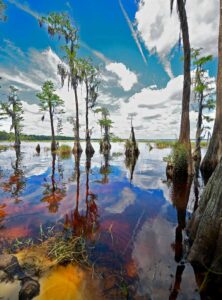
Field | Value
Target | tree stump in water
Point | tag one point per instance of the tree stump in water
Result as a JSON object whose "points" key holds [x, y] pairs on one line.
{"points": [[105, 146], [89, 149], [132, 151], [205, 227], [77, 149], [38, 149]]}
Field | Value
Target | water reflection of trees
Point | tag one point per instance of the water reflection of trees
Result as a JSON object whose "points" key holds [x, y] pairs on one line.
{"points": [[83, 223], [105, 169], [16, 183], [130, 163], [180, 194], [54, 189]]}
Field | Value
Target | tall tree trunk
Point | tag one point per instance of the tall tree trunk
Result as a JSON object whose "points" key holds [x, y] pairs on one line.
{"points": [[89, 147], [77, 147], [184, 137], [53, 143], [214, 152], [17, 137], [197, 152]]}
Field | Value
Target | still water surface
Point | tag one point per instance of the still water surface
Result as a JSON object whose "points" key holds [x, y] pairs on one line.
{"points": [[131, 214]]}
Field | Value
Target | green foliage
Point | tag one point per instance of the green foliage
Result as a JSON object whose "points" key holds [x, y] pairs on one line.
{"points": [[90, 76], [105, 123], [48, 98], [59, 24], [116, 139], [204, 90], [14, 110], [5, 136], [51, 102]]}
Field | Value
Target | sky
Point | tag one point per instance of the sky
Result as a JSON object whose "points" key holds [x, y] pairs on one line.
{"points": [[134, 42]]}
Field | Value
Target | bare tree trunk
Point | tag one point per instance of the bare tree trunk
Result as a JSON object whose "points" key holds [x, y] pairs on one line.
{"points": [[197, 151], [89, 147], [17, 137], [184, 137], [77, 147], [53, 143], [214, 152]]}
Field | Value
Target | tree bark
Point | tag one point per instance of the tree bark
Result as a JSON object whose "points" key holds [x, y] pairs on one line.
{"points": [[197, 152], [53, 143], [77, 146], [184, 137], [205, 227], [17, 137], [89, 148], [214, 152]]}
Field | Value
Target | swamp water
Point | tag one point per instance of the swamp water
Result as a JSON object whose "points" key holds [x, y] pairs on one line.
{"points": [[131, 218]]}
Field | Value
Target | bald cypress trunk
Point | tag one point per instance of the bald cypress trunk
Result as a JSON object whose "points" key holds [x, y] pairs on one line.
{"points": [[89, 148], [214, 152], [53, 142], [77, 146], [205, 227], [184, 137]]}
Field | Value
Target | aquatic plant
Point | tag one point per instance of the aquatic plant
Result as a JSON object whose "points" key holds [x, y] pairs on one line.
{"points": [[64, 151], [69, 250]]}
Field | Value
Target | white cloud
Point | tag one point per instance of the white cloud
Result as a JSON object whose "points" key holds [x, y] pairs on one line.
{"points": [[127, 79], [21, 79], [157, 110], [160, 31]]}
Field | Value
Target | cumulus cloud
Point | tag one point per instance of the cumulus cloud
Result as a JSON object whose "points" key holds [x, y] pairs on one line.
{"points": [[157, 111], [127, 78], [160, 30]]}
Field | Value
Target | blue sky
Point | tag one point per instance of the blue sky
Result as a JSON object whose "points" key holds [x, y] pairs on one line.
{"points": [[129, 37]]}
